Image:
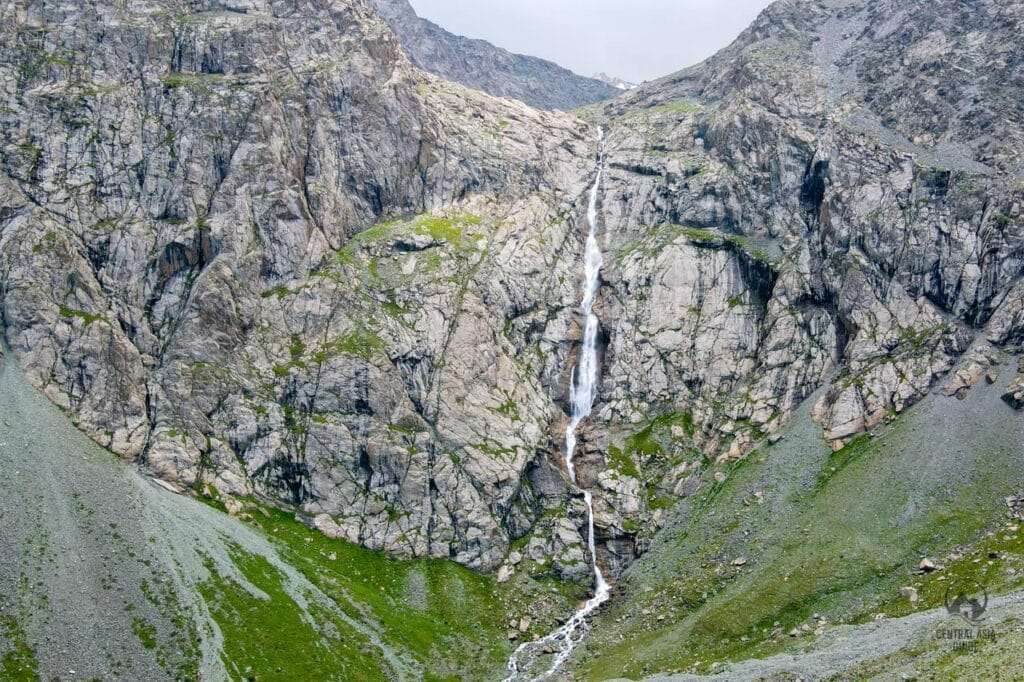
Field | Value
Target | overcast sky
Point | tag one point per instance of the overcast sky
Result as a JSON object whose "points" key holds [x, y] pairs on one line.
{"points": [[632, 39]]}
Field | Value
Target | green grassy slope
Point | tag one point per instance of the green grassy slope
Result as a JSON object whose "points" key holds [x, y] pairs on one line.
{"points": [[446, 621], [837, 535]]}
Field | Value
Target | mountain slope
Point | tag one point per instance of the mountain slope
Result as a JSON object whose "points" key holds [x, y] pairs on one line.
{"points": [[871, 242], [106, 574], [478, 64], [769, 235], [798, 537], [251, 247], [826, 211]]}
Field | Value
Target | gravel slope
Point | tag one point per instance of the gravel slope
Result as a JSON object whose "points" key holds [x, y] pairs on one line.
{"points": [[844, 648], [73, 547]]}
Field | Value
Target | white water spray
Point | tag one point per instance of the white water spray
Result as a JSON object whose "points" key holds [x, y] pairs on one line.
{"points": [[582, 391]]}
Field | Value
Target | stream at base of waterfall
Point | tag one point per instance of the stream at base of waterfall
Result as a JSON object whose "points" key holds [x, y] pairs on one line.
{"points": [[582, 392]]}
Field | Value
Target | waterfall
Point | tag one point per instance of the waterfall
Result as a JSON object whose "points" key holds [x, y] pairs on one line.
{"points": [[583, 383], [582, 392]]}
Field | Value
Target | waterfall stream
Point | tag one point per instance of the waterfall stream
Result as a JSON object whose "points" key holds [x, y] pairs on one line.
{"points": [[582, 392]]}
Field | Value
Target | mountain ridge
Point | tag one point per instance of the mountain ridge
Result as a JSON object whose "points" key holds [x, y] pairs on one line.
{"points": [[480, 65]]}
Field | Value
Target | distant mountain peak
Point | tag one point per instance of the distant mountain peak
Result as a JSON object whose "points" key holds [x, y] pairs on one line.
{"points": [[614, 81], [482, 66]]}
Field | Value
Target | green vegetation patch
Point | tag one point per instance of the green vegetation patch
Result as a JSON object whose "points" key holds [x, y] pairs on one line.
{"points": [[278, 292], [176, 648], [453, 230], [451, 621], [360, 342], [655, 439], [649, 453], [375, 263], [145, 631], [19, 662], [71, 313], [661, 114], [268, 636], [202, 83], [656, 239], [995, 560]]}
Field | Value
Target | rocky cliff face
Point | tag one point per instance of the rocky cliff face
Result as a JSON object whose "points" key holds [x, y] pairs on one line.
{"points": [[187, 266], [480, 65], [250, 245], [835, 199]]}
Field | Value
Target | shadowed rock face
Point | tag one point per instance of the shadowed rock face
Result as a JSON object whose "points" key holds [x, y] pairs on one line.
{"points": [[480, 65], [251, 246]]}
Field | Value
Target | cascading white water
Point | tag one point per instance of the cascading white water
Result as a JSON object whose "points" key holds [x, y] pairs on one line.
{"points": [[582, 391], [583, 384]]}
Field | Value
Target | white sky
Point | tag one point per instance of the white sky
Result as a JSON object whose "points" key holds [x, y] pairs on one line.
{"points": [[632, 39]]}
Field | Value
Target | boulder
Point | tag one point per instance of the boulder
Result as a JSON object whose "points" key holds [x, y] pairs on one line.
{"points": [[1014, 394]]}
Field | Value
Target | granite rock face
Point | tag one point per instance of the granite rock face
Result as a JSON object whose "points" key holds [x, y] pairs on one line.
{"points": [[834, 200], [784, 216], [211, 256], [248, 244], [480, 65]]}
